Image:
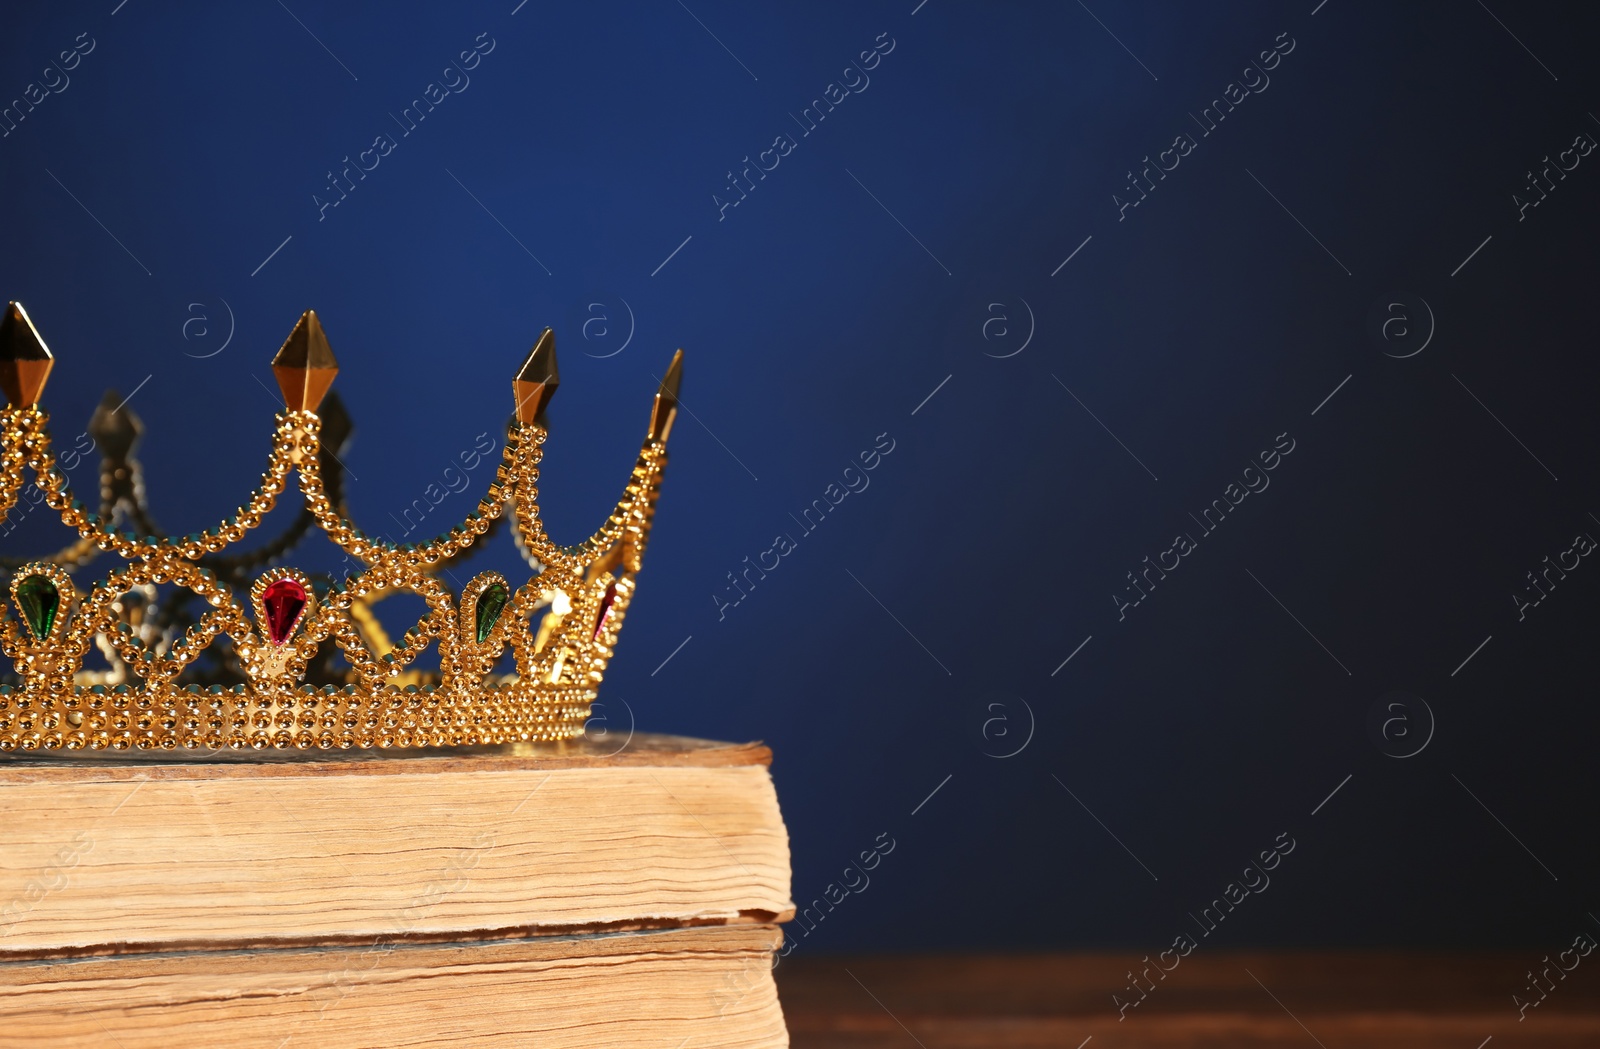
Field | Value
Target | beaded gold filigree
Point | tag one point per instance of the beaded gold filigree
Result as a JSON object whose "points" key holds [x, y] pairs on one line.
{"points": [[560, 626]]}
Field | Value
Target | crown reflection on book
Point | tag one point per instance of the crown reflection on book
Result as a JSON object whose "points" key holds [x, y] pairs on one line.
{"points": [[211, 647]]}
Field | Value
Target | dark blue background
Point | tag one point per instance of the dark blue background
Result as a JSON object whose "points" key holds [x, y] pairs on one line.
{"points": [[1198, 328]]}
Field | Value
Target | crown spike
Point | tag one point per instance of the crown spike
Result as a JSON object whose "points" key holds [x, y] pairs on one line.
{"points": [[25, 361], [535, 382], [114, 427], [305, 365], [665, 408]]}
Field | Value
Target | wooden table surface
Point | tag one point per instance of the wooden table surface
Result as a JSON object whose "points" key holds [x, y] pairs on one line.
{"points": [[1248, 1000]]}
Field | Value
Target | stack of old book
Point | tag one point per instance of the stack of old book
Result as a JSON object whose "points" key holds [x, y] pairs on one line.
{"points": [[558, 896]]}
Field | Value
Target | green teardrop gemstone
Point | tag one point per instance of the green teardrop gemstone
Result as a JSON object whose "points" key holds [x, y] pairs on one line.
{"points": [[39, 601], [490, 604]]}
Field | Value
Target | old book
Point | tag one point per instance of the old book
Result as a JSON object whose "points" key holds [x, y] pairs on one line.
{"points": [[516, 894], [657, 989]]}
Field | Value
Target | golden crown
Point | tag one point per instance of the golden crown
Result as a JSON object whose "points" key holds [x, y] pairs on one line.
{"points": [[279, 684]]}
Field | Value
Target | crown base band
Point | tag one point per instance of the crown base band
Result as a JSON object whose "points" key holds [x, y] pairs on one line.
{"points": [[218, 718]]}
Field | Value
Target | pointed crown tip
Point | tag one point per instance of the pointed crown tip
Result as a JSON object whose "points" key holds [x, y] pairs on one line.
{"points": [[672, 381], [305, 365], [25, 361], [664, 410], [540, 364], [535, 383], [21, 339], [114, 426], [307, 345]]}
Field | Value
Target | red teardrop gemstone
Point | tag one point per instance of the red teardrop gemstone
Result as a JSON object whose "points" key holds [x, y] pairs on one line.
{"points": [[283, 600], [606, 602]]}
